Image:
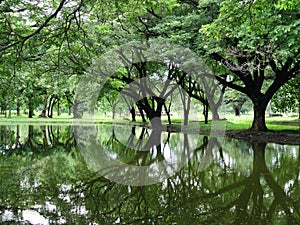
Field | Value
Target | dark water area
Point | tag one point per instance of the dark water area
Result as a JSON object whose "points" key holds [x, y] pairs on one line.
{"points": [[131, 175]]}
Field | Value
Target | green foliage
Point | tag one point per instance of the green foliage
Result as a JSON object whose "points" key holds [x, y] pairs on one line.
{"points": [[47, 46], [288, 96]]}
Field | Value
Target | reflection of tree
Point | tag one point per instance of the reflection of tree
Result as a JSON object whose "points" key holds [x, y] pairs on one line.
{"points": [[250, 205], [192, 199], [220, 194], [135, 155]]}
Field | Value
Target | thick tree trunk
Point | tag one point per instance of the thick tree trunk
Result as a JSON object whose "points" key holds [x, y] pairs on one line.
{"points": [[156, 122], [259, 122], [76, 113], [237, 111], [155, 117], [215, 114]]}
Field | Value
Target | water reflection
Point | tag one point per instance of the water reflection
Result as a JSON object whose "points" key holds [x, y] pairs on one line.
{"points": [[45, 179]]}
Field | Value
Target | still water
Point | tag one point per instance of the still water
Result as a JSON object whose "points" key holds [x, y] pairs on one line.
{"points": [[132, 175]]}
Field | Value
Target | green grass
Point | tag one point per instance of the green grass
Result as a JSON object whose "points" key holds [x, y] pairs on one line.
{"points": [[232, 123]]}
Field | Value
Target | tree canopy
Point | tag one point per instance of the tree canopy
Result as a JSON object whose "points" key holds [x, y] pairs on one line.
{"points": [[46, 46]]}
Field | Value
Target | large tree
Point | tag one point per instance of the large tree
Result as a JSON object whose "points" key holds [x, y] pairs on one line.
{"points": [[256, 41]]}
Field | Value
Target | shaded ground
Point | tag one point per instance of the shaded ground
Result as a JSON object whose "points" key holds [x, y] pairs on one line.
{"points": [[279, 137], [290, 123]]}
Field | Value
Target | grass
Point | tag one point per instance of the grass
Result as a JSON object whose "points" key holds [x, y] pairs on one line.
{"points": [[232, 123]]}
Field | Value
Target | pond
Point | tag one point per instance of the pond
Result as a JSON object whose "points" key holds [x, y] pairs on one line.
{"points": [[108, 174]]}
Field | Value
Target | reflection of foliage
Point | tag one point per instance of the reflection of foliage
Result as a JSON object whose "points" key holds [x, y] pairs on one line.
{"points": [[229, 191]]}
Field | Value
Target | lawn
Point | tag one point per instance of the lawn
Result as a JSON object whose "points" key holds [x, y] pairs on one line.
{"points": [[232, 122]]}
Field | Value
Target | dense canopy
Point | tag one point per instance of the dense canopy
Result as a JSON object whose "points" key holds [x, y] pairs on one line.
{"points": [[47, 47]]}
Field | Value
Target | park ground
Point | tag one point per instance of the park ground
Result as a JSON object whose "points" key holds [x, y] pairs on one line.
{"points": [[282, 130]]}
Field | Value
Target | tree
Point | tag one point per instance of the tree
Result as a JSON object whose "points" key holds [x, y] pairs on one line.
{"points": [[236, 100], [288, 96], [255, 41]]}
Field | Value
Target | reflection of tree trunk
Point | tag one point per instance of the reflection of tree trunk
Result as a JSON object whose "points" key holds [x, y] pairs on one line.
{"points": [[186, 147], [45, 141], [154, 139], [253, 190], [18, 136], [30, 134], [50, 134], [289, 206]]}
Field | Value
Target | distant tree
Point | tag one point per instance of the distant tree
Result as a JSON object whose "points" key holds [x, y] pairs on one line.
{"points": [[288, 96], [236, 100]]}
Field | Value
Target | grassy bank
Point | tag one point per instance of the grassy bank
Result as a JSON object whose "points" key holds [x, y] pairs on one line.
{"points": [[232, 122]]}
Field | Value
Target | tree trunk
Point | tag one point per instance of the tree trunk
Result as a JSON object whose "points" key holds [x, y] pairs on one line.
{"points": [[259, 122], [76, 113], [9, 108], [58, 108], [50, 109], [141, 113], [186, 102], [155, 116], [69, 110], [205, 113], [237, 111], [114, 107], [30, 108], [215, 114], [18, 108], [43, 114], [168, 113], [132, 112]]}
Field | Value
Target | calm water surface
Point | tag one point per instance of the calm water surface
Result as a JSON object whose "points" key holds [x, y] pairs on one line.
{"points": [[55, 175]]}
